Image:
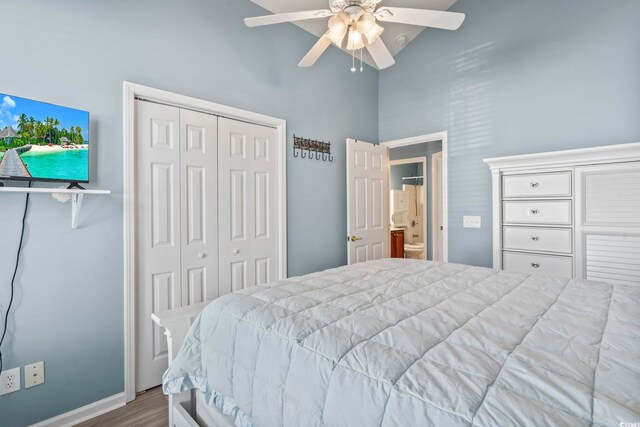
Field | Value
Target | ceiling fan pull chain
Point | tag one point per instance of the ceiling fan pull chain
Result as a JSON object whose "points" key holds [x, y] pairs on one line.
{"points": [[353, 61]]}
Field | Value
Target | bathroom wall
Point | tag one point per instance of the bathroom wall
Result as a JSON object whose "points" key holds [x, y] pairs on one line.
{"points": [[399, 171], [427, 149]]}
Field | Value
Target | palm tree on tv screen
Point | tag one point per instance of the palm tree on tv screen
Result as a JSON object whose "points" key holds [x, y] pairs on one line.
{"points": [[23, 123]]}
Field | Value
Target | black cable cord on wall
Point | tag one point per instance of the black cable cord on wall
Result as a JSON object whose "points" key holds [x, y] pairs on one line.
{"points": [[15, 272]]}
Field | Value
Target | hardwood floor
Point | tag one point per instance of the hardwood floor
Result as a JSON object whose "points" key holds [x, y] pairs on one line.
{"points": [[148, 410]]}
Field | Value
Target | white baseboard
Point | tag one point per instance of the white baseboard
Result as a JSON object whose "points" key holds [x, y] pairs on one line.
{"points": [[85, 413]]}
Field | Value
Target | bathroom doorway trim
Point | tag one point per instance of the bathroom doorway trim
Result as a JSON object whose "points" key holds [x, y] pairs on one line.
{"points": [[432, 137]]}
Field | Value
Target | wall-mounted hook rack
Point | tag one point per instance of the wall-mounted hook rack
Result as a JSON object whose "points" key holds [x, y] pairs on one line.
{"points": [[312, 149]]}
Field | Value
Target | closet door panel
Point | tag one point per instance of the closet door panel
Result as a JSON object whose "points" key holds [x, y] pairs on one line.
{"points": [[248, 205], [158, 225], [234, 195], [264, 254], [199, 206]]}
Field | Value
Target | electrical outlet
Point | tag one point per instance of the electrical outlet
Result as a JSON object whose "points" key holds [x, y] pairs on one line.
{"points": [[34, 374], [471, 222], [9, 381]]}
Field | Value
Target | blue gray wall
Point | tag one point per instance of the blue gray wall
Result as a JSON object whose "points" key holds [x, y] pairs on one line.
{"points": [[69, 310], [426, 149], [519, 76]]}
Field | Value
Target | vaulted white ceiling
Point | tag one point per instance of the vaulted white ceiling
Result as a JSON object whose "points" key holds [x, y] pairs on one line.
{"points": [[391, 33]]}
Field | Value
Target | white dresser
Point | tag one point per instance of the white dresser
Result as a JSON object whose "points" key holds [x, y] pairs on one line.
{"points": [[573, 213]]}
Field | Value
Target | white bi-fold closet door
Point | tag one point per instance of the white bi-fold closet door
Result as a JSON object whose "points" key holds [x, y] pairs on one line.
{"points": [[247, 197], [206, 216]]}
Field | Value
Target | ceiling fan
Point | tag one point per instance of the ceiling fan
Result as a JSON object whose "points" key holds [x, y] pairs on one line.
{"points": [[358, 21]]}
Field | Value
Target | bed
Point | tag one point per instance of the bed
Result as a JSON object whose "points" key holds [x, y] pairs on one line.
{"points": [[399, 342]]}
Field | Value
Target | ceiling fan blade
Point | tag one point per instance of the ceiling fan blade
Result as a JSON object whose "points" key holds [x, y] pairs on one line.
{"points": [[421, 17], [380, 54], [279, 18], [316, 51]]}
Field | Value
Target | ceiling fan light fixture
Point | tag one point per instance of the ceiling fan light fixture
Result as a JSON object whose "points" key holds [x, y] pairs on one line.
{"points": [[355, 40], [373, 35], [366, 23], [368, 26], [337, 29], [357, 20]]}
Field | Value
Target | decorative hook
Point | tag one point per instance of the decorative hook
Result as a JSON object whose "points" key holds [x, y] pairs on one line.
{"points": [[320, 150]]}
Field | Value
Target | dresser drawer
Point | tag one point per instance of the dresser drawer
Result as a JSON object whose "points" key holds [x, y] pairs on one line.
{"points": [[537, 239], [548, 265], [557, 184], [557, 212]]}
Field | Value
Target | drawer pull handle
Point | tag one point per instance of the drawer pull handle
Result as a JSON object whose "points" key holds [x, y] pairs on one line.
{"points": [[535, 211], [535, 184], [535, 238], [535, 265]]}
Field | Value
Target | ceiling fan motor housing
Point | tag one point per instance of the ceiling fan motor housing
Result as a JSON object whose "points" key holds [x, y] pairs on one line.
{"points": [[353, 7]]}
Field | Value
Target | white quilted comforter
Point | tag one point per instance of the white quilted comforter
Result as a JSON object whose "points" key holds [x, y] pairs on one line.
{"points": [[412, 343]]}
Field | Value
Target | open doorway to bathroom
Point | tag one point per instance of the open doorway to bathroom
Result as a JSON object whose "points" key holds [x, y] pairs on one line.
{"points": [[415, 185]]}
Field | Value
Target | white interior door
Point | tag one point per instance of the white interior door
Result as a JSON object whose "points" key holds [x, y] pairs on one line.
{"points": [[436, 206], [248, 226], [367, 201], [199, 206], [158, 224]]}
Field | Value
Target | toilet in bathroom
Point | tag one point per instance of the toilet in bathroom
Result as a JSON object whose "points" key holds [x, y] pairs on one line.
{"points": [[413, 250]]}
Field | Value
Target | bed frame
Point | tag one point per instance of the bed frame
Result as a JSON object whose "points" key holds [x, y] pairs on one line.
{"points": [[183, 410]]}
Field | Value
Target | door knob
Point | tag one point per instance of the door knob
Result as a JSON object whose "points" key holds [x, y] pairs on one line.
{"points": [[236, 251], [354, 238], [201, 255]]}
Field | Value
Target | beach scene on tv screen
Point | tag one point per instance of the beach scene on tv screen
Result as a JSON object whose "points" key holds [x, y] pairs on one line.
{"points": [[43, 141]]}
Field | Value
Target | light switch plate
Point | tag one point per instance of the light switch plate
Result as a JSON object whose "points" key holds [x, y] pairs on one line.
{"points": [[9, 381], [471, 222], [33, 374]]}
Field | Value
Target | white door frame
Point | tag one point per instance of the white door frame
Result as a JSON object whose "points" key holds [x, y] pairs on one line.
{"points": [[434, 225], [432, 137], [131, 91], [423, 160]]}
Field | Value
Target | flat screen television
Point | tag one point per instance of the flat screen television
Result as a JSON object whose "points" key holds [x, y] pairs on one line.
{"points": [[43, 142]]}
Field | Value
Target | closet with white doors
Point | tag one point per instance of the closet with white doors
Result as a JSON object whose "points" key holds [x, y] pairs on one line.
{"points": [[573, 213], [206, 216]]}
